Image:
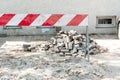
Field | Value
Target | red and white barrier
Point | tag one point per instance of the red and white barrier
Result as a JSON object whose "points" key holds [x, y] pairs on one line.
{"points": [[43, 20]]}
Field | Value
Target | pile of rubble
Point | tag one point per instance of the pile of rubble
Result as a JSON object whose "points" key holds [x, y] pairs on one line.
{"points": [[67, 43], [72, 43]]}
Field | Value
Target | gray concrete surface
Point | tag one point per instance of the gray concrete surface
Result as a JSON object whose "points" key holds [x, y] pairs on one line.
{"points": [[111, 58]]}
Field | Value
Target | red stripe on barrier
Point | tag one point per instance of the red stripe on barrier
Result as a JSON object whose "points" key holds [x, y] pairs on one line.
{"points": [[52, 20], [5, 18], [28, 19], [76, 20]]}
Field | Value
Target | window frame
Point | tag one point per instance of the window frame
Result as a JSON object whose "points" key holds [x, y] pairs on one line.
{"points": [[113, 24]]}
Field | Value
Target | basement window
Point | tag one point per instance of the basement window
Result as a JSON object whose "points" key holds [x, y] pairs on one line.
{"points": [[105, 21], [12, 27]]}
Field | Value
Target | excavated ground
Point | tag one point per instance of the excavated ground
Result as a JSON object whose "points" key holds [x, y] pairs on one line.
{"points": [[15, 64]]}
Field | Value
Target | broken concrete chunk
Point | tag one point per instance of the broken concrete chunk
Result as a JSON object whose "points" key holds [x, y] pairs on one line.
{"points": [[72, 32], [68, 54], [70, 45], [62, 54], [56, 49], [26, 47]]}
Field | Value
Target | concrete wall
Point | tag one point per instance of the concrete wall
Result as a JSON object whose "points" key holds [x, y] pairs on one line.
{"points": [[92, 7], [28, 31]]}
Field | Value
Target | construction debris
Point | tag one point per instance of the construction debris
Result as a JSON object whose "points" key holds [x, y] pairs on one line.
{"points": [[67, 43], [41, 66], [36, 61], [73, 43]]}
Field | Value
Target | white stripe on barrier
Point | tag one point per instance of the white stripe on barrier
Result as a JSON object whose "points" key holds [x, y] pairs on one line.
{"points": [[16, 19], [1, 15], [84, 22], [40, 20], [64, 20]]}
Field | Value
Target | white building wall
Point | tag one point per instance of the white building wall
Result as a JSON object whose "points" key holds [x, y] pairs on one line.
{"points": [[91, 7]]}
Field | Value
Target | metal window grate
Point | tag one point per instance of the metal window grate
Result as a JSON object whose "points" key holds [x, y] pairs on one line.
{"points": [[104, 21]]}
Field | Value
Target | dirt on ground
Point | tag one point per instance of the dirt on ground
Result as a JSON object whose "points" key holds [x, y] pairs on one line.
{"points": [[111, 58], [15, 64]]}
